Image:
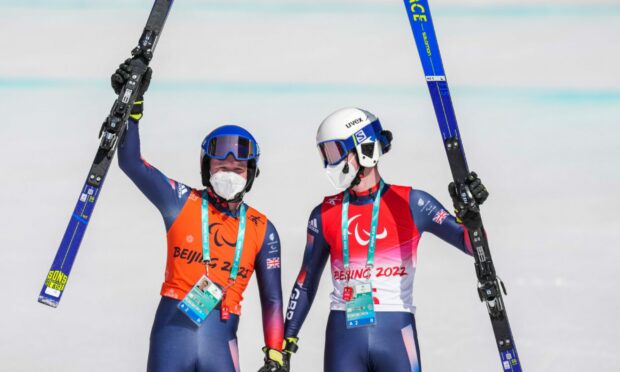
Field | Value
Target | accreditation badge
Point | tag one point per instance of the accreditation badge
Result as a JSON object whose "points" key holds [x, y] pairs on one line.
{"points": [[201, 300], [361, 309]]}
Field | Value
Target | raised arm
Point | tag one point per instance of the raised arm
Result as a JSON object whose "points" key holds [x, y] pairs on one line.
{"points": [[167, 195]]}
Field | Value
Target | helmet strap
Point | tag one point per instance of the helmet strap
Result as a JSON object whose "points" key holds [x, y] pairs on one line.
{"points": [[205, 172], [221, 202], [360, 170], [217, 200], [358, 177], [238, 198]]}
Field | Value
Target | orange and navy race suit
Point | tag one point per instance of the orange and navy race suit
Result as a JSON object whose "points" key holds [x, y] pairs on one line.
{"points": [[180, 207], [404, 215]]}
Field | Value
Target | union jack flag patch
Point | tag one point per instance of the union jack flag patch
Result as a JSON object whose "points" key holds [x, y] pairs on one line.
{"points": [[440, 216], [273, 263]]}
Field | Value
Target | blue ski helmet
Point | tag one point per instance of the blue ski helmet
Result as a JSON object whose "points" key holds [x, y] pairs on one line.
{"points": [[230, 140]]}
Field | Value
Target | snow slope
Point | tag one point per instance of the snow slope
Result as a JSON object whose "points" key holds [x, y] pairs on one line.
{"points": [[537, 92]]}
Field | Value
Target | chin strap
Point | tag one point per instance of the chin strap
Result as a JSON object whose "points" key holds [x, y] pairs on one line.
{"points": [[221, 202], [358, 176], [238, 198]]}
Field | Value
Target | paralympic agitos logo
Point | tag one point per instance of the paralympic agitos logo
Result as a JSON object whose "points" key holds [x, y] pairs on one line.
{"points": [[194, 256], [218, 237], [360, 240]]}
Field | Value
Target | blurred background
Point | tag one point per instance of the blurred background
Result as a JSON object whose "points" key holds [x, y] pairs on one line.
{"points": [[536, 90]]}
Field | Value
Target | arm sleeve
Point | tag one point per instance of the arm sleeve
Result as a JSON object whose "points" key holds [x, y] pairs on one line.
{"points": [[167, 195], [429, 215], [305, 288], [270, 288]]}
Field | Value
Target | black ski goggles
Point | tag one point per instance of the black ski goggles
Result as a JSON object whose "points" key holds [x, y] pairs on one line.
{"points": [[240, 147]]}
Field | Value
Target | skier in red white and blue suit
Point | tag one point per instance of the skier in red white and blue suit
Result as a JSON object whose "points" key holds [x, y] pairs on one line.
{"points": [[350, 142], [229, 165]]}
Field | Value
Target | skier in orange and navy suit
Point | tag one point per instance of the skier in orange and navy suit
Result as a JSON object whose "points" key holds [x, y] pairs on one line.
{"points": [[229, 165]]}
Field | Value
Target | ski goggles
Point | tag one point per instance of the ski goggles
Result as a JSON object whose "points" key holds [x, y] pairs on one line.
{"points": [[240, 147], [334, 151]]}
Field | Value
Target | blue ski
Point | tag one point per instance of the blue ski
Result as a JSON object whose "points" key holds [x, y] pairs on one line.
{"points": [[112, 129], [489, 285]]}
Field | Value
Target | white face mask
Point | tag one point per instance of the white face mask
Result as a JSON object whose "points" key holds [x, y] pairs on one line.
{"points": [[227, 184], [338, 179]]}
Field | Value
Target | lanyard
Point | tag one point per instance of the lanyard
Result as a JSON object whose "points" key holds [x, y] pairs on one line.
{"points": [[206, 244], [373, 228]]}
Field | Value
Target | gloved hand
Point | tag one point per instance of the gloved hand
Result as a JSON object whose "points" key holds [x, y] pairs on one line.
{"points": [[120, 78], [274, 361], [289, 347], [469, 213]]}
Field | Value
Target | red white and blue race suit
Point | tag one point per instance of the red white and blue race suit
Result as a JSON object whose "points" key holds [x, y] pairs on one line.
{"points": [[405, 214], [176, 343]]}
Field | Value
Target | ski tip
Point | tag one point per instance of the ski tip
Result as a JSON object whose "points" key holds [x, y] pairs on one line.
{"points": [[48, 301]]}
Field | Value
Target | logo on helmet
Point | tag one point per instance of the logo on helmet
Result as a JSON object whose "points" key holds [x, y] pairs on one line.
{"points": [[360, 136], [354, 122]]}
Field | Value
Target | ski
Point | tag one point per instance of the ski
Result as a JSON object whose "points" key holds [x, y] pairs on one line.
{"points": [[489, 285], [111, 130]]}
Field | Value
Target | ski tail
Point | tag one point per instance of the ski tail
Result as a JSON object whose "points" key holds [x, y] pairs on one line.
{"points": [[111, 131], [58, 275], [489, 285]]}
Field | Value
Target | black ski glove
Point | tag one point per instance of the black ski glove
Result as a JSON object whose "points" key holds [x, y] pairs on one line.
{"points": [[469, 213], [274, 361], [120, 78]]}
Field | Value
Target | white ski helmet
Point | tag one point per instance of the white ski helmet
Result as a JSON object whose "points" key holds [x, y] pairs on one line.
{"points": [[348, 129]]}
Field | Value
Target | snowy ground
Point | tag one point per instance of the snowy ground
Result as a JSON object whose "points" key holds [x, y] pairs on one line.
{"points": [[537, 92]]}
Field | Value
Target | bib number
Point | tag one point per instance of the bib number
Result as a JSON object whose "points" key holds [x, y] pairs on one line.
{"points": [[361, 308], [201, 300]]}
